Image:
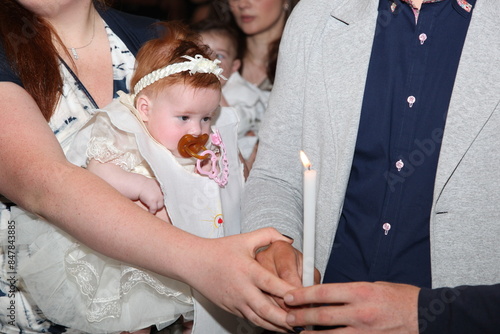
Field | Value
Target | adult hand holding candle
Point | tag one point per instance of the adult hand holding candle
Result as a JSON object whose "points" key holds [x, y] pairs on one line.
{"points": [[309, 200]]}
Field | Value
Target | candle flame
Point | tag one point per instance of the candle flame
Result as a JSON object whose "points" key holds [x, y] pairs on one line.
{"points": [[305, 160]]}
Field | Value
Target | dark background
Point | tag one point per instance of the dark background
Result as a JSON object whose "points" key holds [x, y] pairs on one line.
{"points": [[188, 11]]}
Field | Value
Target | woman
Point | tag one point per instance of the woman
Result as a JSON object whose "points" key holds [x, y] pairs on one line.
{"points": [[260, 24], [55, 67]]}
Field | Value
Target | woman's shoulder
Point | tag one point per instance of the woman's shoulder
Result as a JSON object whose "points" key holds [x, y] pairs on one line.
{"points": [[7, 73], [132, 29], [130, 21]]}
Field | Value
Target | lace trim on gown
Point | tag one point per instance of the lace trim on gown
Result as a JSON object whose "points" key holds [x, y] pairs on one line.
{"points": [[87, 276], [104, 151]]}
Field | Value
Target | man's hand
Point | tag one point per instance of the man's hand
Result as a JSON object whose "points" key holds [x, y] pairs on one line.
{"points": [[358, 307], [283, 260]]}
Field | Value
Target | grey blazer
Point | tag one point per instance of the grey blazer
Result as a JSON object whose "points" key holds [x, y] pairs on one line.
{"points": [[315, 106]]}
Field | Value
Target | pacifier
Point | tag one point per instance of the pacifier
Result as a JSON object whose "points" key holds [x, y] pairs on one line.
{"points": [[190, 146]]}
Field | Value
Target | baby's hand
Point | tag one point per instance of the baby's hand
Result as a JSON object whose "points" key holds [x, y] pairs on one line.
{"points": [[151, 195]]}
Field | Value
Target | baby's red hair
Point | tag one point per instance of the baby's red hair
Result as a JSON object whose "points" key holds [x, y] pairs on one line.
{"points": [[176, 41]]}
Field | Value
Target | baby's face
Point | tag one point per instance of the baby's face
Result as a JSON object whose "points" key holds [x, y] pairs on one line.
{"points": [[224, 50], [179, 110]]}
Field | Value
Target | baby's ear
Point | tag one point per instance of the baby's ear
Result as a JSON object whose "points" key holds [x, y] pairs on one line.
{"points": [[143, 105], [236, 66]]}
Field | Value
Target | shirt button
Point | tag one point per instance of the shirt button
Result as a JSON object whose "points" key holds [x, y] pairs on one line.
{"points": [[411, 99], [422, 37], [399, 164], [386, 227]]}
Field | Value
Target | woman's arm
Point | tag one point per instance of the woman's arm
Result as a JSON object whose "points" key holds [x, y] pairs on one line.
{"points": [[35, 174]]}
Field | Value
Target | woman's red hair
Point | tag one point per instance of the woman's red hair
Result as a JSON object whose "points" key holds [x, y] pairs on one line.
{"points": [[28, 43]]}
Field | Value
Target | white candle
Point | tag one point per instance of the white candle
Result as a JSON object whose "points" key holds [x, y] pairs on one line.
{"points": [[309, 198]]}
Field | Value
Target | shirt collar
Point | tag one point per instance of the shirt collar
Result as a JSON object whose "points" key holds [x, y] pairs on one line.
{"points": [[463, 6], [410, 2]]}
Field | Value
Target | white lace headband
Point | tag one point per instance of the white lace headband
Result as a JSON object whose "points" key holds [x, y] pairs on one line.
{"points": [[198, 64]]}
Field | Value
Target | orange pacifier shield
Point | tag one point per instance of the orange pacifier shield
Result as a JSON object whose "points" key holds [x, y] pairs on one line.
{"points": [[190, 146]]}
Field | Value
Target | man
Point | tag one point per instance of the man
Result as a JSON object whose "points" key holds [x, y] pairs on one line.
{"points": [[396, 104]]}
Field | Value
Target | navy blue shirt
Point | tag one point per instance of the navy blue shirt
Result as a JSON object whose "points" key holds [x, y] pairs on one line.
{"points": [[383, 232]]}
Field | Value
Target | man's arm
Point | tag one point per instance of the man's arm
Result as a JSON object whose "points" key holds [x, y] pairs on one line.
{"points": [[463, 309]]}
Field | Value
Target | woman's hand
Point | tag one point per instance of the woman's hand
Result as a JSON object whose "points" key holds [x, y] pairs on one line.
{"points": [[228, 274]]}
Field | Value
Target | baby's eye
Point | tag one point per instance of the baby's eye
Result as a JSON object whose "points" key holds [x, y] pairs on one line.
{"points": [[220, 56], [184, 118], [207, 119]]}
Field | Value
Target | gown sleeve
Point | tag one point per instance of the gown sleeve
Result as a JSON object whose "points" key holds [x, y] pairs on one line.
{"points": [[111, 145]]}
